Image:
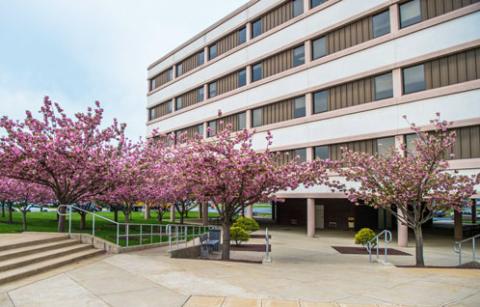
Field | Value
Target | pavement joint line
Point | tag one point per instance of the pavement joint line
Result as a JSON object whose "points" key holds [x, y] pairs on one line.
{"points": [[186, 301], [10, 299], [88, 290]]}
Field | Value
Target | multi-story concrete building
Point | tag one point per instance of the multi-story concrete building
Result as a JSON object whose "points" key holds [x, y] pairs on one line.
{"points": [[325, 74]]}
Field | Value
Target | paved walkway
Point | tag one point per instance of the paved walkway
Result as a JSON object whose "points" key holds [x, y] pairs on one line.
{"points": [[303, 271]]}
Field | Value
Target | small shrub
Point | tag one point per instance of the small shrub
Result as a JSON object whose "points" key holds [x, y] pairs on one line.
{"points": [[247, 223], [238, 234], [364, 235]]}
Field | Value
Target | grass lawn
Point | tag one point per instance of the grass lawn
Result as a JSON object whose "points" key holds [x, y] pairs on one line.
{"points": [[46, 222]]}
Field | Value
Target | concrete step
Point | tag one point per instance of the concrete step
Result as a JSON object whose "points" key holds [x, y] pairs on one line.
{"points": [[50, 264], [31, 243], [37, 248], [17, 262]]}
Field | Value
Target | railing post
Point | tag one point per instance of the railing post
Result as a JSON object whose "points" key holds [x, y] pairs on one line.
{"points": [[176, 234], [70, 221], [126, 232], [186, 235], [474, 247], [93, 225], [151, 234], [460, 253], [118, 234]]}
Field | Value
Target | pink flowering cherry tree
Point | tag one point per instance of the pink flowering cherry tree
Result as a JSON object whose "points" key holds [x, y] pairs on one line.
{"points": [[72, 156], [23, 195], [230, 174], [410, 186]]}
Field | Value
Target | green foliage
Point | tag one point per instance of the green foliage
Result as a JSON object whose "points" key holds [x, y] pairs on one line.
{"points": [[364, 235], [239, 234], [246, 223]]}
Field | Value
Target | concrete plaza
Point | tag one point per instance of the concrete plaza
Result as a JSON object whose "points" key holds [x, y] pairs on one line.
{"points": [[304, 272]]}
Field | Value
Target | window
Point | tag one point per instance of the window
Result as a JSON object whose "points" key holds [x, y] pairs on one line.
{"points": [[257, 28], [242, 35], [383, 86], [200, 94], [297, 7], [319, 48], [257, 117], [410, 143], [322, 152], [212, 128], [153, 84], [381, 24], [169, 107], [179, 70], [170, 74], [242, 121], [212, 52], [385, 146], [413, 79], [151, 114], [257, 72], [299, 56], [410, 13], [320, 102], [299, 107], [178, 103], [212, 89], [315, 3], [200, 58], [242, 77], [301, 154], [200, 129]]}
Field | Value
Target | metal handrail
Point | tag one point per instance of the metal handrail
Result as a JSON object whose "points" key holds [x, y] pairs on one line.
{"points": [[179, 234], [267, 258], [161, 233], [387, 238], [457, 248]]}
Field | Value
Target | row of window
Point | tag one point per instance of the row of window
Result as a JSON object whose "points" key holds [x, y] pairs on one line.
{"points": [[467, 146]]}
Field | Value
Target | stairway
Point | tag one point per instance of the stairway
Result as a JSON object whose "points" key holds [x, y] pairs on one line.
{"points": [[22, 259]]}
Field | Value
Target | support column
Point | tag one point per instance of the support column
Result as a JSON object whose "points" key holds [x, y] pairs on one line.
{"points": [[310, 217], [394, 19], [474, 211], [249, 212], [172, 213], [308, 104], [205, 214], [248, 119], [205, 54], [248, 71], [397, 82], [308, 51], [248, 29], [458, 226], [306, 5], [205, 130], [205, 92], [402, 229]]}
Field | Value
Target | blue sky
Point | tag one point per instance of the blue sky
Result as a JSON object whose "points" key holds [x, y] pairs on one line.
{"points": [[77, 52]]}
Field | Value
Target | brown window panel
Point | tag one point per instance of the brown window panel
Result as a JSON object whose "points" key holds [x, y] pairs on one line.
{"points": [[350, 35], [467, 144], [161, 79], [366, 146], [227, 83], [160, 110], [188, 99], [456, 68], [434, 8], [277, 16], [190, 131], [278, 112], [277, 63], [236, 122], [283, 157], [190, 63], [227, 43], [163, 139], [351, 94]]}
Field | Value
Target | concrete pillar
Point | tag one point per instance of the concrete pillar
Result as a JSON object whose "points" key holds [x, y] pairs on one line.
{"points": [[205, 92], [308, 51], [205, 214], [173, 106], [249, 212], [306, 5], [310, 217], [394, 18], [174, 72], [310, 154], [205, 54], [402, 231], [249, 74], [172, 213], [458, 225], [308, 104], [205, 130], [397, 82], [248, 119], [474, 211], [248, 29]]}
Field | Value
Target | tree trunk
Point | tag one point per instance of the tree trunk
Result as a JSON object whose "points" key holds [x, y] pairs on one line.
{"points": [[146, 212], [83, 216], [3, 209], [205, 215], [126, 213], [10, 213], [61, 219], [115, 215], [419, 246], [226, 241], [160, 215], [24, 220], [181, 217]]}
